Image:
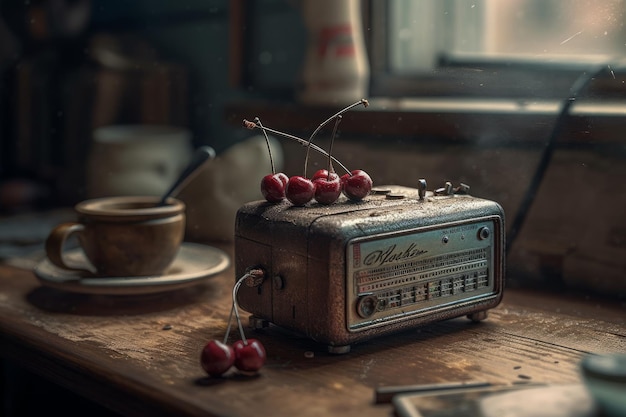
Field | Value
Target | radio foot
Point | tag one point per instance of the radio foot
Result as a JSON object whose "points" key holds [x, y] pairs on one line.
{"points": [[338, 350], [478, 316], [258, 323]]}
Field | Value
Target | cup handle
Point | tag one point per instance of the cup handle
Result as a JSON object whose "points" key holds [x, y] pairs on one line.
{"points": [[56, 241]]}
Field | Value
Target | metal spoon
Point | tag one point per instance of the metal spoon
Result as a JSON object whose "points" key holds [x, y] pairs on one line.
{"points": [[202, 154]]}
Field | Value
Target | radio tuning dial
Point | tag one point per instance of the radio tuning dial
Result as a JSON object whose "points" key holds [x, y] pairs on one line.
{"points": [[366, 306]]}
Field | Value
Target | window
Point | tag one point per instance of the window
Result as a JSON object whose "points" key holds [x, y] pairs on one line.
{"points": [[517, 48]]}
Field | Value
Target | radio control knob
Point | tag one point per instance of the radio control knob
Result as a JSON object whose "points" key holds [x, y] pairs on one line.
{"points": [[421, 186], [380, 191], [484, 233], [366, 306], [447, 189], [462, 189]]}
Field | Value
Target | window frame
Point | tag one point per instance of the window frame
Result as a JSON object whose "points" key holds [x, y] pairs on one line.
{"points": [[474, 75]]}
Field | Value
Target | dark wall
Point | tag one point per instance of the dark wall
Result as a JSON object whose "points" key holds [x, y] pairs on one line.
{"points": [[55, 87]]}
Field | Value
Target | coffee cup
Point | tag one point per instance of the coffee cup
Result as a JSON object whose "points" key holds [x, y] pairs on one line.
{"points": [[123, 236]]}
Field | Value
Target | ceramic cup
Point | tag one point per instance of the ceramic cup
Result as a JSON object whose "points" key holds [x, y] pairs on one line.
{"points": [[122, 236], [605, 378]]}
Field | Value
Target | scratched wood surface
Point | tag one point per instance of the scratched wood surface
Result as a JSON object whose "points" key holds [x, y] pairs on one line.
{"points": [[139, 355]]}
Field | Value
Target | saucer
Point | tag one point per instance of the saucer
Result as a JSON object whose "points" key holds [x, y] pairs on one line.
{"points": [[194, 263]]}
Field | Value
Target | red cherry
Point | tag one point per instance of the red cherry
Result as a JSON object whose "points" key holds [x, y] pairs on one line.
{"points": [[217, 358], [323, 173], [284, 178], [327, 191], [299, 190], [249, 356], [273, 187], [356, 185]]}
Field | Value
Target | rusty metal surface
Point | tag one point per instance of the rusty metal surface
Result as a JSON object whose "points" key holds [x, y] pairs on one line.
{"points": [[305, 252]]}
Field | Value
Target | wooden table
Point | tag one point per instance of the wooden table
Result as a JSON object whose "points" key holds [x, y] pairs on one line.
{"points": [[139, 355]]}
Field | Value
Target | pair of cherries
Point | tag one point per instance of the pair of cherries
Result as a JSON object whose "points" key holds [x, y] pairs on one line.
{"points": [[325, 187], [247, 355], [218, 357]]}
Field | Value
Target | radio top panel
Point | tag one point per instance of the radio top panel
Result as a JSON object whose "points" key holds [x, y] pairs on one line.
{"points": [[388, 209]]}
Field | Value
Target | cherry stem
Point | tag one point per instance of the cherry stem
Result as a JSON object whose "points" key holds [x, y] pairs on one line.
{"points": [[267, 141], [241, 333], [330, 148], [236, 311], [230, 319], [363, 101], [252, 125]]}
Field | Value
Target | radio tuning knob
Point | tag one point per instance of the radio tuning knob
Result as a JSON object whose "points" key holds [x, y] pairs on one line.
{"points": [[462, 189], [484, 233], [366, 306], [421, 188], [447, 189]]}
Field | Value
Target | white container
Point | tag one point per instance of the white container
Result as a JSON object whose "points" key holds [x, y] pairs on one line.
{"points": [[223, 185], [136, 159], [336, 68]]}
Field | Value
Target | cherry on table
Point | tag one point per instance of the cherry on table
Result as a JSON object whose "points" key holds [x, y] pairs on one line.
{"points": [[216, 358], [299, 190], [356, 185], [327, 190], [273, 187], [323, 173], [249, 355], [283, 178]]}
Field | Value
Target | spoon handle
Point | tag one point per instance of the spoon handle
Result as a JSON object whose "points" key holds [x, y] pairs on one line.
{"points": [[200, 156]]}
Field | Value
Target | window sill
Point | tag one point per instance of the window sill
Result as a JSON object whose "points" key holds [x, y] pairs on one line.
{"points": [[490, 121]]}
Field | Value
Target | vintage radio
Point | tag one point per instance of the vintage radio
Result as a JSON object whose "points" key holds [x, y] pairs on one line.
{"points": [[349, 271]]}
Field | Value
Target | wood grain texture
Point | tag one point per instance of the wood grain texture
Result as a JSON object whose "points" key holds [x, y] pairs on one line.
{"points": [[139, 355]]}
